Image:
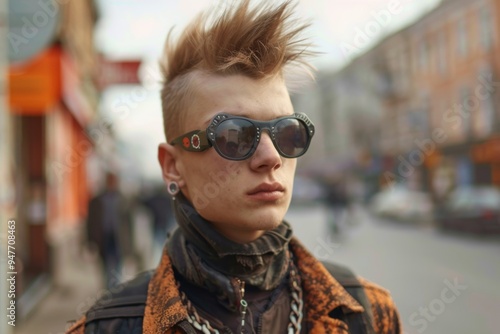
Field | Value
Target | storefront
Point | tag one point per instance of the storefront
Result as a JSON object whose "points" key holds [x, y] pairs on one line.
{"points": [[51, 147], [486, 157]]}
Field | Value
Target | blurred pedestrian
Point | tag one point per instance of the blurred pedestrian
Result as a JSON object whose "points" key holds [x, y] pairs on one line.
{"points": [[233, 265], [109, 229], [338, 205], [159, 205]]}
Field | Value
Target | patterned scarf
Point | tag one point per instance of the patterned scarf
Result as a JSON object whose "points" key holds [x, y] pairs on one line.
{"points": [[209, 260]]}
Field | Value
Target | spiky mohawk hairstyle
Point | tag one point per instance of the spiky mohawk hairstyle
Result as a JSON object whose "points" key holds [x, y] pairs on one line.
{"points": [[257, 42]]}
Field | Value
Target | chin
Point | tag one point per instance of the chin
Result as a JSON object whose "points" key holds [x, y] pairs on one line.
{"points": [[268, 219]]}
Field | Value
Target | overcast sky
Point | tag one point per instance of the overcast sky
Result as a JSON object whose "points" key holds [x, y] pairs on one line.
{"points": [[136, 29]]}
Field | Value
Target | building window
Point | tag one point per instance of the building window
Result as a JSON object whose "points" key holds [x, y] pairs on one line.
{"points": [[403, 72], [462, 37], [486, 28], [437, 112], [467, 108], [441, 47], [486, 115], [418, 118], [423, 55], [425, 114]]}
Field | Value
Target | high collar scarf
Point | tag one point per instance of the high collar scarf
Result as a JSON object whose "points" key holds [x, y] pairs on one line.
{"points": [[208, 259]]}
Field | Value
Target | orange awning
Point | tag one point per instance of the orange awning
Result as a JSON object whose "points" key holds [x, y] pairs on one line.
{"points": [[35, 86]]}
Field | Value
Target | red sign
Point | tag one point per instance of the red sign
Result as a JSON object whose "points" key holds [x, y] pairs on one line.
{"points": [[118, 72]]}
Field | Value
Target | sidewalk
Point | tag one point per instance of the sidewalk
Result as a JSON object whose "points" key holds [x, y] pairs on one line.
{"points": [[77, 282], [76, 285]]}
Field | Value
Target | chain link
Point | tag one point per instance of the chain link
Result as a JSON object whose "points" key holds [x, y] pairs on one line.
{"points": [[297, 304], [195, 319]]}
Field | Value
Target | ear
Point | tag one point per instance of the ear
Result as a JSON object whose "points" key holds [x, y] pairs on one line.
{"points": [[167, 156]]}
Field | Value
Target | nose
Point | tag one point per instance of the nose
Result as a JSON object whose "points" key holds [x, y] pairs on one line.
{"points": [[266, 157]]}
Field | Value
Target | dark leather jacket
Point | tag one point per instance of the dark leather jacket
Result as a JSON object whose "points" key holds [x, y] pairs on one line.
{"points": [[324, 298]]}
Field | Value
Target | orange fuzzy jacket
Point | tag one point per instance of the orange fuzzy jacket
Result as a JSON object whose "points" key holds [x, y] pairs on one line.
{"points": [[322, 293]]}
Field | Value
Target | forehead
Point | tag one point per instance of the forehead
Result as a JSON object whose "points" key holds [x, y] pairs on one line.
{"points": [[261, 99]]}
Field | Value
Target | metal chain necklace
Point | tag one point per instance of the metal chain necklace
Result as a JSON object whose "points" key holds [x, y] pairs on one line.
{"points": [[296, 307]]}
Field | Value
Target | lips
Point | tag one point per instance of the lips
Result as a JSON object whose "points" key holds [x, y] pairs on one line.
{"points": [[267, 192]]}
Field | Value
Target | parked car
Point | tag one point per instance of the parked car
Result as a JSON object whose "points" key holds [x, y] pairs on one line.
{"points": [[403, 204], [474, 209]]}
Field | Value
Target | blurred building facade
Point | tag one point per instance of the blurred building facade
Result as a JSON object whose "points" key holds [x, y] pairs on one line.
{"points": [[52, 101], [454, 70], [427, 100]]}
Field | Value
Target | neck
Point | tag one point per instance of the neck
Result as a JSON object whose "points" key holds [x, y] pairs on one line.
{"points": [[209, 259], [240, 237]]}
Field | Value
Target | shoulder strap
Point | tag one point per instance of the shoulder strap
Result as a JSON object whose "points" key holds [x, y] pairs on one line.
{"points": [[357, 322], [126, 300]]}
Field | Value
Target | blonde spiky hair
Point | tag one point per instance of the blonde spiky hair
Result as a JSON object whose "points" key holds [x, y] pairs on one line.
{"points": [[256, 42]]}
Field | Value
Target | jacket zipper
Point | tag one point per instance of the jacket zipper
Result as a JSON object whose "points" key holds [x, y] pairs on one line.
{"points": [[243, 303]]}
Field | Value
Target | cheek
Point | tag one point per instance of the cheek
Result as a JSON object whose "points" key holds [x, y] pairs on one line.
{"points": [[289, 170], [216, 195], [210, 179]]}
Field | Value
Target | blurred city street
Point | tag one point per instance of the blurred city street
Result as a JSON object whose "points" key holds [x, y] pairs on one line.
{"points": [[414, 262], [79, 281], [78, 287]]}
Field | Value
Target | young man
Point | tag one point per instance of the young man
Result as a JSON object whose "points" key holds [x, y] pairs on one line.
{"points": [[233, 266]]}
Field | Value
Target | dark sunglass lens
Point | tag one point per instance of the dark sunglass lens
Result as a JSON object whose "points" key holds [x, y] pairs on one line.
{"points": [[235, 138], [292, 137]]}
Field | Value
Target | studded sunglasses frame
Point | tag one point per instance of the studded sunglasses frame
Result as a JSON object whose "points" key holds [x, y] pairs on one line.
{"points": [[201, 140]]}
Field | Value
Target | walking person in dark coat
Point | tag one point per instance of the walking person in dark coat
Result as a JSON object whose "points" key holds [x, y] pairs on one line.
{"points": [[159, 205], [337, 203], [108, 229]]}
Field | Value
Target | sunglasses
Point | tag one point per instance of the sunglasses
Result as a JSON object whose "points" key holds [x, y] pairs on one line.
{"points": [[237, 138]]}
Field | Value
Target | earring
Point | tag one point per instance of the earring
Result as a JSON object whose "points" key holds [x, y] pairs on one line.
{"points": [[173, 188]]}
